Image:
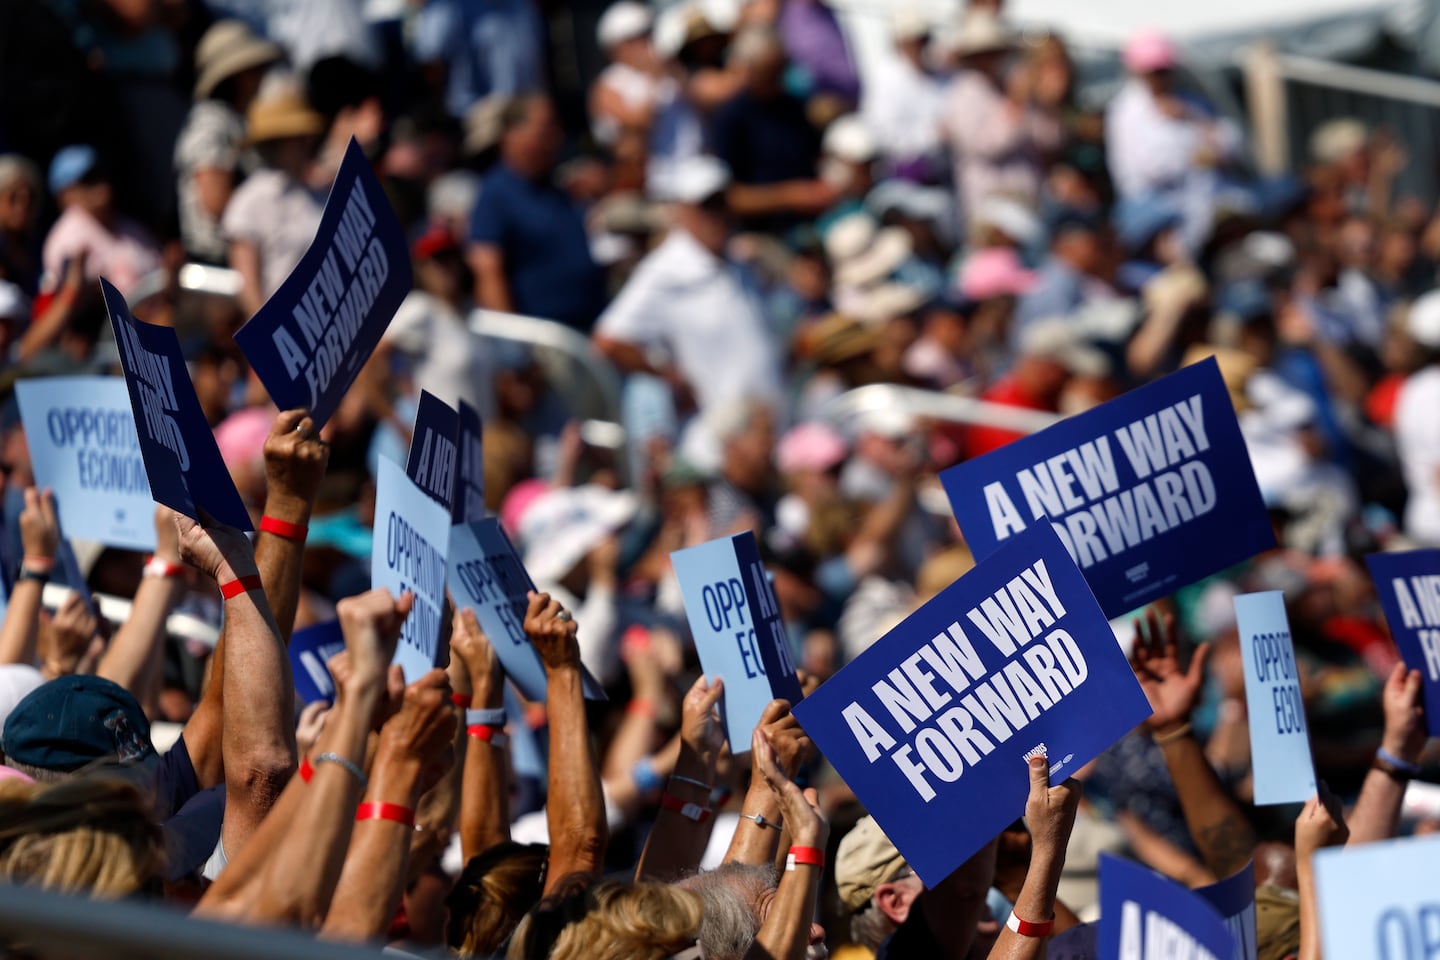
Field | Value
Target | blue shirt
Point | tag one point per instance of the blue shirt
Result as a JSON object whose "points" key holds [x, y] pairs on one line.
{"points": [[541, 235], [490, 47], [766, 141]]}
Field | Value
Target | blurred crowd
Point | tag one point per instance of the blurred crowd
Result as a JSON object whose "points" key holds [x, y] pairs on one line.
{"points": [[745, 226]]}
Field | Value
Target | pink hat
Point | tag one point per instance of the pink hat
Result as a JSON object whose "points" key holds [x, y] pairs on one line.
{"points": [[994, 272], [1150, 50], [10, 773], [241, 436], [518, 501], [810, 446]]}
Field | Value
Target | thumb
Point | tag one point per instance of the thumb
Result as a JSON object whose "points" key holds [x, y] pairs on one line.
{"points": [[1039, 778], [712, 696]]}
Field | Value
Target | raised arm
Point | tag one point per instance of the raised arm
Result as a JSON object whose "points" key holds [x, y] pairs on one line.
{"points": [[40, 538], [1321, 824], [1219, 827], [295, 460], [677, 841], [575, 808], [757, 836], [135, 657], [412, 748], [1377, 812], [257, 721], [1050, 814], [484, 793]]}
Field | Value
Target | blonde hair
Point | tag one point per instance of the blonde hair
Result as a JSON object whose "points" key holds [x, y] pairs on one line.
{"points": [[89, 835], [629, 921]]}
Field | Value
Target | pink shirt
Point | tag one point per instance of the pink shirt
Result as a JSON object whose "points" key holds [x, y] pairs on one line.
{"points": [[122, 257]]}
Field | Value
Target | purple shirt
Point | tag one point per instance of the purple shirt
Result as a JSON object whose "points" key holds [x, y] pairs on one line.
{"points": [[813, 40]]}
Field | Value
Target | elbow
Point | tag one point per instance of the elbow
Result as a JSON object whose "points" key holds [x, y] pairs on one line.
{"points": [[263, 775]]}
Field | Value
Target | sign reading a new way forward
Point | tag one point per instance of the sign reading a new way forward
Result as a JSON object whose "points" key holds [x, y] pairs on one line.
{"points": [[1409, 588], [310, 339], [934, 725], [1149, 492]]}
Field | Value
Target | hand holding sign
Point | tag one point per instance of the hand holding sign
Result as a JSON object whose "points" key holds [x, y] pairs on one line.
{"points": [[295, 461], [220, 552], [785, 734], [371, 624], [1404, 714], [39, 525], [700, 728], [1050, 815], [73, 642], [470, 651], [1173, 693], [1321, 824], [552, 631]]}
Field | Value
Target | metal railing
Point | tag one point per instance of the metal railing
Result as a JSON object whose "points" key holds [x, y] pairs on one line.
{"points": [[850, 408]]}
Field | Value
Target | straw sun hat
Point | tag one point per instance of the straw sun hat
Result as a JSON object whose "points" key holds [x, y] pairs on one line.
{"points": [[228, 48]]}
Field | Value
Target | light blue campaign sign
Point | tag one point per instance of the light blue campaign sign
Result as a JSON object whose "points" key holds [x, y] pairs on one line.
{"points": [[182, 462], [487, 576], [470, 484], [310, 653], [432, 459], [738, 631], [1144, 916], [934, 725], [1380, 901], [1409, 589], [310, 339], [1279, 737], [1234, 899], [1149, 492], [83, 446], [412, 536]]}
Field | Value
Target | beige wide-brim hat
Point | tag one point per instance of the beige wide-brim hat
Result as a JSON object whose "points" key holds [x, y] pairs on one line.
{"points": [[280, 117], [229, 47], [982, 32]]}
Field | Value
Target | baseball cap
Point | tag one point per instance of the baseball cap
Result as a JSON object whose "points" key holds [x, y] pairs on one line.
{"points": [[1150, 51], [623, 21], [865, 859], [71, 165], [74, 721], [994, 272]]}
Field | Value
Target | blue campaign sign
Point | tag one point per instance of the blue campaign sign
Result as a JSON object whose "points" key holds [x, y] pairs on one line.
{"points": [[470, 484], [1380, 900], [487, 576], [433, 449], [83, 445], [182, 462], [1149, 492], [310, 653], [933, 726], [1409, 589], [1234, 899], [70, 573], [1279, 736], [412, 537], [738, 631], [1144, 916], [310, 339]]}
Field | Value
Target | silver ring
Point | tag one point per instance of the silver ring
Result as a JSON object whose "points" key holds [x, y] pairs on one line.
{"points": [[300, 429], [564, 616]]}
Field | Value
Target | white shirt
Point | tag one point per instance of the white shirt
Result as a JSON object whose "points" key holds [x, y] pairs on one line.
{"points": [[449, 360], [903, 105], [1150, 151], [693, 305], [279, 216], [1417, 440], [634, 86]]}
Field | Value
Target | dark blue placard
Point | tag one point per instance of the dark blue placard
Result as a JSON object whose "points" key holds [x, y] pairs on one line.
{"points": [[310, 653], [434, 451], [310, 339], [933, 725], [1150, 491], [738, 631], [1139, 907], [487, 576], [1234, 899], [470, 483], [182, 462], [1409, 588]]}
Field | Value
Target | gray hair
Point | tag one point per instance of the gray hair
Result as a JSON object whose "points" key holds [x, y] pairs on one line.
{"points": [[870, 926], [729, 896], [754, 44], [14, 167]]}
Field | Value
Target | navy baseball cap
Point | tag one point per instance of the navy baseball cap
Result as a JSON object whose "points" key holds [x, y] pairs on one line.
{"points": [[74, 721]]}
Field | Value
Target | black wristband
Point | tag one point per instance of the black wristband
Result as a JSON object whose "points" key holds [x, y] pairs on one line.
{"points": [[41, 577]]}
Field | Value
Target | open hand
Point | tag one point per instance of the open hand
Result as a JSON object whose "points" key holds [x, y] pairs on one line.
{"points": [[1172, 692], [800, 810]]}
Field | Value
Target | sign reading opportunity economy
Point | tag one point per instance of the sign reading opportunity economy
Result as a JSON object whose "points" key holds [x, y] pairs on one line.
{"points": [[487, 576], [934, 725], [470, 484], [1149, 492], [1380, 901], [1409, 588], [432, 460], [1144, 915], [310, 339], [738, 632], [182, 462], [412, 540], [1279, 737], [83, 445]]}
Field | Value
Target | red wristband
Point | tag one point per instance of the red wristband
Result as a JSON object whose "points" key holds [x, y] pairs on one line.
{"points": [[686, 809], [461, 700], [808, 856], [386, 811], [1027, 929], [306, 769], [487, 733], [39, 563], [641, 707], [155, 567], [241, 585], [284, 528]]}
